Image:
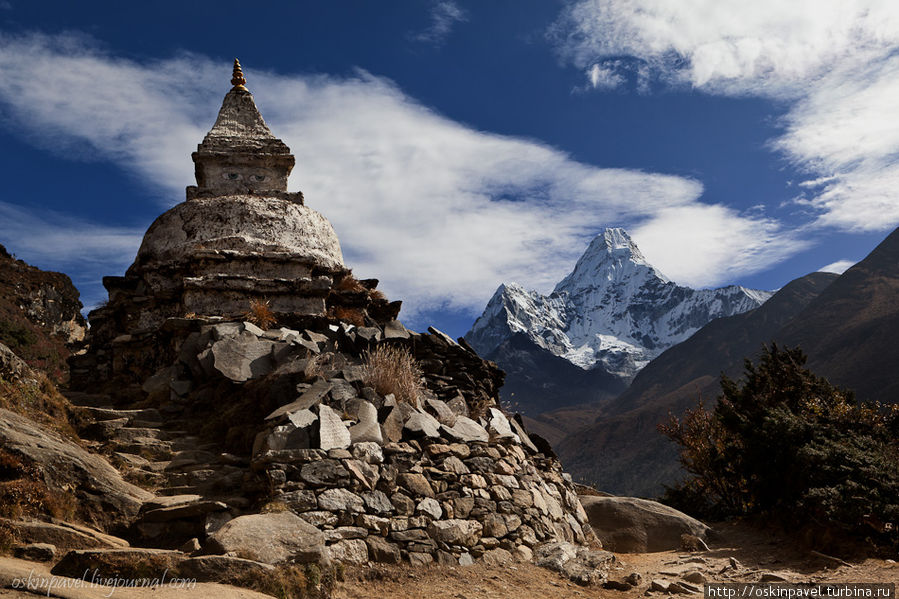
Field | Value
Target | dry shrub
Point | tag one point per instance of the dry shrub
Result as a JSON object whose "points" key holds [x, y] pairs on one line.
{"points": [[38, 399], [260, 314], [392, 369], [23, 492], [377, 295], [353, 316], [349, 283], [289, 581]]}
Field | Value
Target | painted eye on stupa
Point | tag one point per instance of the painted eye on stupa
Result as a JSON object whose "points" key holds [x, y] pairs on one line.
{"points": [[257, 177], [231, 176]]}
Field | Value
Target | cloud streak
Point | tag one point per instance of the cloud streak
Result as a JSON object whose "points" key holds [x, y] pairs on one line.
{"points": [[444, 16], [440, 212], [835, 63]]}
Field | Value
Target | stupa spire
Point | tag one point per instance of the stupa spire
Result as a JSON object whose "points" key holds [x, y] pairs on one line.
{"points": [[240, 155], [237, 78]]}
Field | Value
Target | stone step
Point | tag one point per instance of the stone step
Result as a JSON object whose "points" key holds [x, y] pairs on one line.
{"points": [[194, 444], [105, 413], [78, 398], [128, 434], [193, 477], [146, 447], [190, 457], [147, 477], [179, 490]]}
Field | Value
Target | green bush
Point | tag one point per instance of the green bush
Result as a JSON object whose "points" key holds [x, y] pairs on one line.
{"points": [[785, 443]]}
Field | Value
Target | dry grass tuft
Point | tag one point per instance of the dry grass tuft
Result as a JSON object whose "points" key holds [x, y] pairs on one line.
{"points": [[260, 314], [327, 362], [377, 295], [392, 369], [38, 399], [353, 316], [349, 283]]}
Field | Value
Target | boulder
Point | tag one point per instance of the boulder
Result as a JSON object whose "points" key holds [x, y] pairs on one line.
{"points": [[310, 397], [632, 525], [271, 538], [429, 507], [103, 496]]}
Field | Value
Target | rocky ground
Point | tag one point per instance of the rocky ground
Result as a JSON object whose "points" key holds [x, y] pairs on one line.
{"points": [[758, 555]]}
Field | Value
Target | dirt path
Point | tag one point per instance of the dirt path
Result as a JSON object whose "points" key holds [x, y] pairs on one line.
{"points": [[757, 555]]}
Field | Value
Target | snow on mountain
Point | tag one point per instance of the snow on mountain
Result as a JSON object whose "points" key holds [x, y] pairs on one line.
{"points": [[614, 310]]}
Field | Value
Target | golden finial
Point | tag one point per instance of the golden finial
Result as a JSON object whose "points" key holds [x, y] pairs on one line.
{"points": [[237, 79]]}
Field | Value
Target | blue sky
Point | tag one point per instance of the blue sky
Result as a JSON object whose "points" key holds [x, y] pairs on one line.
{"points": [[457, 145]]}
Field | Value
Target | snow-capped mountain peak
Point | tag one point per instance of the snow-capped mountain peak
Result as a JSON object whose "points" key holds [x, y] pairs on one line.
{"points": [[614, 310], [611, 258]]}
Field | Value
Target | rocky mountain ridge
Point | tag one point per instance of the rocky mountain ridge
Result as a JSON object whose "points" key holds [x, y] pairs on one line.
{"points": [[845, 324], [40, 314], [610, 316]]}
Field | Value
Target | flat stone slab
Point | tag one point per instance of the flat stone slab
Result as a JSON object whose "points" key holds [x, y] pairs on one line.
{"points": [[223, 569], [312, 396], [124, 563], [186, 510], [422, 424], [467, 430], [63, 535], [162, 501], [332, 432], [241, 359]]}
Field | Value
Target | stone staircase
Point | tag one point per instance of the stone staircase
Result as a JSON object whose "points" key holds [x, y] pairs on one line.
{"points": [[198, 488]]}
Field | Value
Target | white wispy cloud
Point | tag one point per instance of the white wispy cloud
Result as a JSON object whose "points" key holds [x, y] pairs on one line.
{"points": [[691, 240], [838, 267], [834, 62], [444, 16], [440, 212]]}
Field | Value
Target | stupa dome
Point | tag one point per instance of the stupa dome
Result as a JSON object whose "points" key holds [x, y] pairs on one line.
{"points": [[242, 225]]}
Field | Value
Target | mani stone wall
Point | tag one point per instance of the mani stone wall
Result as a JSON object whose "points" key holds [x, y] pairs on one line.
{"points": [[451, 479]]}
